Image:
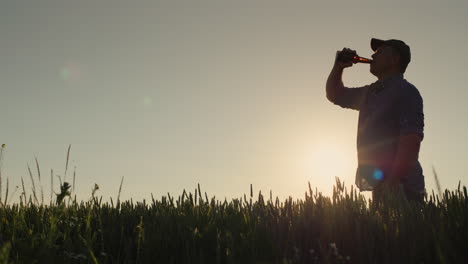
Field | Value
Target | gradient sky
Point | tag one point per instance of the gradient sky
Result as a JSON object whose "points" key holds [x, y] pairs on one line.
{"points": [[222, 93]]}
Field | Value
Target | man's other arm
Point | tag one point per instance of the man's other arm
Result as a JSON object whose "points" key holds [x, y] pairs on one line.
{"points": [[407, 155], [411, 134]]}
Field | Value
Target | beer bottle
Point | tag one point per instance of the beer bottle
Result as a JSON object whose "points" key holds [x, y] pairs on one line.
{"points": [[345, 56], [357, 59]]}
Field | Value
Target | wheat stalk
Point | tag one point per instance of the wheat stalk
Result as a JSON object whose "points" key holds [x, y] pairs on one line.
{"points": [[33, 184], [74, 176], [120, 190], [39, 177], [51, 184], [1, 163], [66, 164], [24, 190], [439, 190]]}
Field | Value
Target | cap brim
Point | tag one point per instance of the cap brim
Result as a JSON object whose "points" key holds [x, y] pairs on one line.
{"points": [[376, 43]]}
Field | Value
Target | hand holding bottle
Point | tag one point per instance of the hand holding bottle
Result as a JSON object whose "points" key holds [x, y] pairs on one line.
{"points": [[347, 57], [344, 58]]}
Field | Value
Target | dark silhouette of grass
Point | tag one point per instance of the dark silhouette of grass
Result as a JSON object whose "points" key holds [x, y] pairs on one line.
{"points": [[436, 178], [343, 228]]}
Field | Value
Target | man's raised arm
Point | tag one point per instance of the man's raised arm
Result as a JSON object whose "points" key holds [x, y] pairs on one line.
{"points": [[335, 86]]}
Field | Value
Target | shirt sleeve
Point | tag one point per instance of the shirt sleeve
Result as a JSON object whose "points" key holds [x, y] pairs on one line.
{"points": [[352, 98], [411, 112]]}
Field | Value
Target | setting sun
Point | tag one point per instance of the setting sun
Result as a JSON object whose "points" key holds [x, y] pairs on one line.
{"points": [[329, 160]]}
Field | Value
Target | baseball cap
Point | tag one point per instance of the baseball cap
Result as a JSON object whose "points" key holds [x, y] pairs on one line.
{"points": [[398, 45]]}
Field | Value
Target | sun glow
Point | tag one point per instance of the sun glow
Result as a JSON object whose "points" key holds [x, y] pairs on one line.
{"points": [[326, 161]]}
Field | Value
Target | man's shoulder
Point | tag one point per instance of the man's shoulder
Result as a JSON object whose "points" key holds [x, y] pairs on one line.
{"points": [[408, 89], [404, 83]]}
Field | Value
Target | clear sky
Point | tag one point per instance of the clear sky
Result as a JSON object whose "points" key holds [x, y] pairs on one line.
{"points": [[222, 93]]}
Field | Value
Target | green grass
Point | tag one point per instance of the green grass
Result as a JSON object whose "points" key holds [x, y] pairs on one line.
{"points": [[192, 228], [195, 228]]}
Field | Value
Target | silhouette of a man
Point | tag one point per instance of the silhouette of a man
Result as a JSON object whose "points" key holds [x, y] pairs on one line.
{"points": [[391, 121]]}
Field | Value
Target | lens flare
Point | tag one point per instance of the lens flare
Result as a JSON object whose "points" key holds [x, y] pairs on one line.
{"points": [[378, 174]]}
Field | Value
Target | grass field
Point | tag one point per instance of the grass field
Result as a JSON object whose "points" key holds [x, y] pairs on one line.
{"points": [[194, 228]]}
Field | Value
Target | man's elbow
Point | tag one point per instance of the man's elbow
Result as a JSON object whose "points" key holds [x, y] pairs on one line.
{"points": [[331, 97], [334, 93]]}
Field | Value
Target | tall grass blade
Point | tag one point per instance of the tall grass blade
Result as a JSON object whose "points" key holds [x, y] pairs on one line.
{"points": [[1, 165], [439, 190], [51, 184], [24, 189], [39, 176], [38, 169], [13, 193], [6, 192], [74, 176], [33, 184], [120, 190], [66, 164]]}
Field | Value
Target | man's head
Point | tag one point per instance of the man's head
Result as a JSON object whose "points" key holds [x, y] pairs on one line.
{"points": [[391, 56]]}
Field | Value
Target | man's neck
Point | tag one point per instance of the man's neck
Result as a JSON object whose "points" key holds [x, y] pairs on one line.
{"points": [[389, 75]]}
